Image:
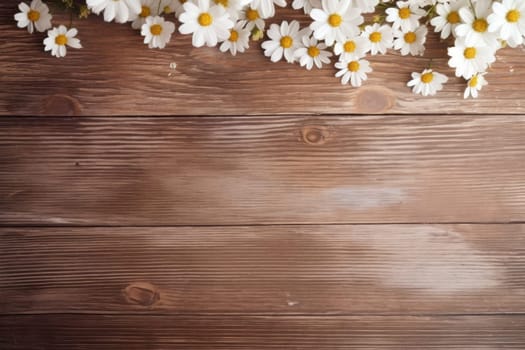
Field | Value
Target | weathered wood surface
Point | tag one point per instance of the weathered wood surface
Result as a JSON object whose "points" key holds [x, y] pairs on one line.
{"points": [[208, 171], [248, 333], [282, 232], [115, 74], [315, 270]]}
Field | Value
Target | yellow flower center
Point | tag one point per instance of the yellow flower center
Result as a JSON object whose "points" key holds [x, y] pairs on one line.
{"points": [[33, 15], [375, 37], [410, 37], [156, 29], [404, 13], [61, 39], [427, 77], [469, 53], [480, 25], [353, 66], [513, 16], [205, 19], [224, 3], [167, 10], [234, 36], [349, 46], [252, 14], [145, 11], [313, 51], [453, 17], [286, 41], [473, 81], [335, 20]]}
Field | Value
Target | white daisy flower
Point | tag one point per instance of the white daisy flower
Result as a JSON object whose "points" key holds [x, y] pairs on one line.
{"points": [[208, 24], [312, 53], [352, 49], [380, 38], [306, 5], [149, 8], [412, 42], [337, 20], [475, 84], [405, 16], [508, 20], [35, 16], [366, 6], [267, 7], [157, 32], [168, 6], [427, 83], [353, 71], [447, 17], [238, 40], [253, 18], [119, 10], [233, 7], [178, 7], [58, 38], [423, 3], [284, 40], [474, 28], [469, 60]]}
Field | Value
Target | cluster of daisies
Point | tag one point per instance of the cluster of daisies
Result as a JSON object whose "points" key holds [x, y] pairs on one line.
{"points": [[347, 29]]}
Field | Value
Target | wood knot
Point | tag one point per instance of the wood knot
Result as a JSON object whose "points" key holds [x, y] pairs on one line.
{"points": [[61, 105], [142, 293], [314, 135], [374, 100]]}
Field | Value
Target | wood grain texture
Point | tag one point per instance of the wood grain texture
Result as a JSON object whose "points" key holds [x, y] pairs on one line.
{"points": [[115, 74], [364, 269], [209, 171], [253, 333]]}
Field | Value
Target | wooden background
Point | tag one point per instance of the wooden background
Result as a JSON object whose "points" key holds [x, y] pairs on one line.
{"points": [[232, 203]]}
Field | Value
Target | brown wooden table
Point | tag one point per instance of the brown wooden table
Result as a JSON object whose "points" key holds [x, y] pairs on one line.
{"points": [[232, 203]]}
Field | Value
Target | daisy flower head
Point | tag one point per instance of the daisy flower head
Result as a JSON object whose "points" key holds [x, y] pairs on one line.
{"points": [[207, 24], [508, 20], [366, 6], [119, 10], [178, 7], [380, 38], [284, 40], [253, 18], [267, 7], [238, 40], [412, 42], [352, 49], [149, 8], [312, 53], [427, 82], [447, 18], [475, 84], [336, 20], [167, 6], [404, 16], [354, 71], [469, 60], [35, 16], [474, 29], [306, 5], [232, 7], [157, 32], [58, 38]]}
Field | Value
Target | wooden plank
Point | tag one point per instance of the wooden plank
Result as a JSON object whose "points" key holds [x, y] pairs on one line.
{"points": [[116, 74], [363, 269], [251, 333], [209, 171]]}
